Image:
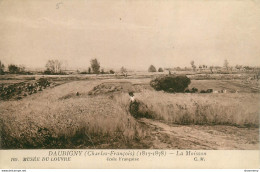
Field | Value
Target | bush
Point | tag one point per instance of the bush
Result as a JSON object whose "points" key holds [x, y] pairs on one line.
{"points": [[111, 72], [43, 82], [171, 84], [203, 91], [160, 70], [206, 91], [193, 90]]}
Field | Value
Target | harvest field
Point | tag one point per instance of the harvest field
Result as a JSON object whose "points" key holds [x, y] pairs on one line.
{"points": [[84, 111]]}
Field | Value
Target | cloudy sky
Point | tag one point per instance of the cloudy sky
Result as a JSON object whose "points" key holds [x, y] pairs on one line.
{"points": [[130, 33]]}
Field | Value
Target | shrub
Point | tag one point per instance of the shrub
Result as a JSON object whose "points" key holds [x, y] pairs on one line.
{"points": [[206, 91], [111, 72], [171, 84], [203, 91], [43, 82], [194, 90], [160, 70]]}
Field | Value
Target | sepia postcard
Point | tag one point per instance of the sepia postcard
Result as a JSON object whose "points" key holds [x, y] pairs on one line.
{"points": [[129, 84]]}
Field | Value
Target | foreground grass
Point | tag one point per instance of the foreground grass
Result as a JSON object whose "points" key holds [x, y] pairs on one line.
{"points": [[224, 109], [57, 118]]}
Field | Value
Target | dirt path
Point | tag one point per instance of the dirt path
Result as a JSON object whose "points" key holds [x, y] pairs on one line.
{"points": [[201, 137]]}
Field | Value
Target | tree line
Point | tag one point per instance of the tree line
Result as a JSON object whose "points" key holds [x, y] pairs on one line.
{"points": [[13, 69], [54, 67]]}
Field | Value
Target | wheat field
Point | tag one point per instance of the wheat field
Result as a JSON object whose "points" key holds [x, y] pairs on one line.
{"points": [[211, 109], [68, 116], [58, 118]]}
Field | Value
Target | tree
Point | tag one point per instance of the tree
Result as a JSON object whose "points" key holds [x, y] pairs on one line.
{"points": [[123, 71], [95, 66], [226, 64], [53, 67], [89, 70], [211, 69], [152, 69], [193, 65], [200, 67], [13, 69], [160, 70], [2, 68]]}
